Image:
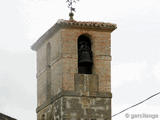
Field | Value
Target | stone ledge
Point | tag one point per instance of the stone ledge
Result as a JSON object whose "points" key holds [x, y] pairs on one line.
{"points": [[71, 94]]}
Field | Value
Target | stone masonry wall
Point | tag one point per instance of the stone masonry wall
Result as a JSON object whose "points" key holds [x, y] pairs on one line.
{"points": [[84, 103], [74, 96], [86, 108], [56, 69], [64, 61], [77, 108], [101, 43]]}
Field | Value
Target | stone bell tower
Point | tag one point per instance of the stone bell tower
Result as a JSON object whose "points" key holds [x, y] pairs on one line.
{"points": [[74, 71]]}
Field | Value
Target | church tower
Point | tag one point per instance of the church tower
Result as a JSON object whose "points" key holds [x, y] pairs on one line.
{"points": [[74, 71]]}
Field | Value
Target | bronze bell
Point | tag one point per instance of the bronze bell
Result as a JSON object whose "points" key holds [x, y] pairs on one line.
{"points": [[85, 57], [85, 63], [85, 53]]}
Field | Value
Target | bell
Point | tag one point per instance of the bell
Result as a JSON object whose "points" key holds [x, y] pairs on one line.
{"points": [[85, 58], [85, 63]]}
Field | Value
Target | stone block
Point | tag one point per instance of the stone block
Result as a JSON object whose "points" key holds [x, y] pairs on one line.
{"points": [[86, 84]]}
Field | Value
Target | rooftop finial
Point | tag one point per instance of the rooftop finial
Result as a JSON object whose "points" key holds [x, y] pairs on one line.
{"points": [[70, 5]]}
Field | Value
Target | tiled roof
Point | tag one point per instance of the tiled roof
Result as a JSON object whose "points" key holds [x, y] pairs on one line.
{"points": [[5, 117], [73, 24]]}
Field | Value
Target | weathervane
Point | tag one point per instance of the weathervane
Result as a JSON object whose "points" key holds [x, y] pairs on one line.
{"points": [[70, 5]]}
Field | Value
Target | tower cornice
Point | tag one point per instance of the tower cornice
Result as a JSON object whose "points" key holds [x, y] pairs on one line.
{"points": [[73, 24]]}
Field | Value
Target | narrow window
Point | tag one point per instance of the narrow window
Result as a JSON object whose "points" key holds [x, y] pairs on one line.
{"points": [[84, 55]]}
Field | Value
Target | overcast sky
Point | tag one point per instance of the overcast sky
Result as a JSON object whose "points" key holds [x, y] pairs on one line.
{"points": [[135, 51]]}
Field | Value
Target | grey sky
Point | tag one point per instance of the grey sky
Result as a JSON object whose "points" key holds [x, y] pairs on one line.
{"points": [[135, 50]]}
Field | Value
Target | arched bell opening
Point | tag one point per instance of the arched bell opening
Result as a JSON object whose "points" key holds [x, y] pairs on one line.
{"points": [[85, 60]]}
